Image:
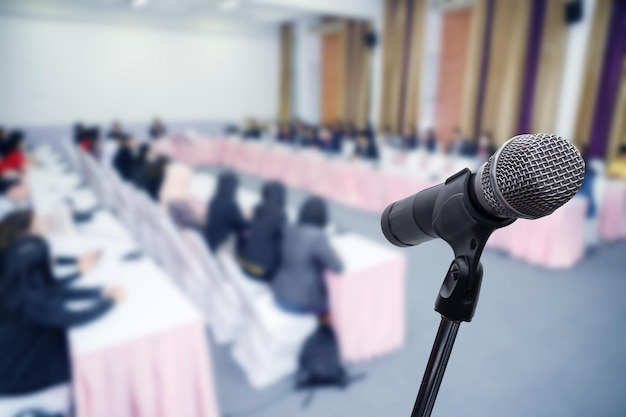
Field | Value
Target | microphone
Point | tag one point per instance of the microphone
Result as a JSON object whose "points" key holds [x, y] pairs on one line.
{"points": [[529, 176]]}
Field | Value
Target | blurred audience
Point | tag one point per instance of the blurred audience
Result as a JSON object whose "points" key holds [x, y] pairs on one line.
{"points": [[260, 252], [117, 132], [284, 134], [87, 137], [617, 168], [14, 158], [486, 146], [13, 195], [251, 130], [124, 160], [157, 129], [34, 316], [462, 145], [430, 141], [410, 140], [365, 148], [328, 142], [224, 217], [306, 254]]}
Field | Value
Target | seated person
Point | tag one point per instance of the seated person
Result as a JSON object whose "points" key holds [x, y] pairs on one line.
{"points": [[617, 168], [284, 134], [461, 145], [327, 142], [299, 285], [13, 195], [124, 159], [365, 148], [154, 176], [409, 139], [260, 254], [251, 129], [310, 138], [14, 158], [430, 141], [224, 217], [116, 132], [486, 147], [34, 316], [157, 129], [142, 159]]}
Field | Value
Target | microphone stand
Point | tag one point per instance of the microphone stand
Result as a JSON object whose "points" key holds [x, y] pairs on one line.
{"points": [[466, 230], [456, 302]]}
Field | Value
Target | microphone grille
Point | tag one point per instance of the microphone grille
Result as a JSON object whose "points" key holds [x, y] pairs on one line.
{"points": [[531, 176]]}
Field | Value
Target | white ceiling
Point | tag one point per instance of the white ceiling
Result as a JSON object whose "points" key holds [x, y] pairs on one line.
{"points": [[194, 15]]}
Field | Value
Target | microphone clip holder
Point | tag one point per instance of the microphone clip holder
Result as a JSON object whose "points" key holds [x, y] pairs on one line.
{"points": [[466, 230]]}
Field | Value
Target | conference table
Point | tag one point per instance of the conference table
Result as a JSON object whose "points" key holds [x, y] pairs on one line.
{"points": [[149, 355], [367, 299], [365, 187]]}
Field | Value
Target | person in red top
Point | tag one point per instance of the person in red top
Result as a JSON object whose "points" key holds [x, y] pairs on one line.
{"points": [[14, 158]]}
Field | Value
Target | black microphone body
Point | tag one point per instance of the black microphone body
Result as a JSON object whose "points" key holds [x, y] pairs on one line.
{"points": [[529, 177]]}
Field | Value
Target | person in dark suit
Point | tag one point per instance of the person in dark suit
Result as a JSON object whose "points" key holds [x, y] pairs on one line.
{"points": [[306, 255], [366, 148], [430, 141], [142, 160], [328, 142], [124, 159], [224, 217], [155, 176], [284, 135], [461, 145], [310, 138], [260, 255], [116, 132], [157, 129], [251, 130], [34, 316], [410, 140]]}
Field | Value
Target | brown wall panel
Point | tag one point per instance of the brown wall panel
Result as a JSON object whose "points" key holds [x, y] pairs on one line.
{"points": [[550, 71], [456, 28], [506, 68]]}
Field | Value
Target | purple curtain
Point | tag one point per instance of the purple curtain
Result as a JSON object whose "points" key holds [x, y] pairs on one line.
{"points": [[609, 81], [537, 16]]}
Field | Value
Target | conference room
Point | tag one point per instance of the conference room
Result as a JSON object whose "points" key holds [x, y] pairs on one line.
{"points": [[225, 208]]}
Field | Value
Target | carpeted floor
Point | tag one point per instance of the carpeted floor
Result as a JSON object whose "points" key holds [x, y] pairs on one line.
{"points": [[542, 344]]}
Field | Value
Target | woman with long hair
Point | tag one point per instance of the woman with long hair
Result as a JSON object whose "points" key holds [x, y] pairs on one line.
{"points": [[34, 316], [224, 215], [260, 254]]}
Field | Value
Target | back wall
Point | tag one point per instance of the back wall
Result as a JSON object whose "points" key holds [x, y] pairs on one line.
{"points": [[55, 72]]}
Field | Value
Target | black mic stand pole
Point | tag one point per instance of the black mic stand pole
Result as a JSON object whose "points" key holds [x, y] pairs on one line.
{"points": [[456, 302], [466, 231]]}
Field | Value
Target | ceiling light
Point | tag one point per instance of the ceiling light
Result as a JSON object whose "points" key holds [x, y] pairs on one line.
{"points": [[229, 4]]}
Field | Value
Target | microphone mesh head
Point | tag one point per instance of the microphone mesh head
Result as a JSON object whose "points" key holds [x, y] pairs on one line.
{"points": [[530, 176]]}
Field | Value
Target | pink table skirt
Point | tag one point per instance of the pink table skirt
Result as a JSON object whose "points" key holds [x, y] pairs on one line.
{"points": [[555, 241], [613, 211], [164, 375], [368, 310]]}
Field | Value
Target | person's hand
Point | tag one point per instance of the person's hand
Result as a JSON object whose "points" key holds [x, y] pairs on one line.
{"points": [[115, 294], [88, 261]]}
